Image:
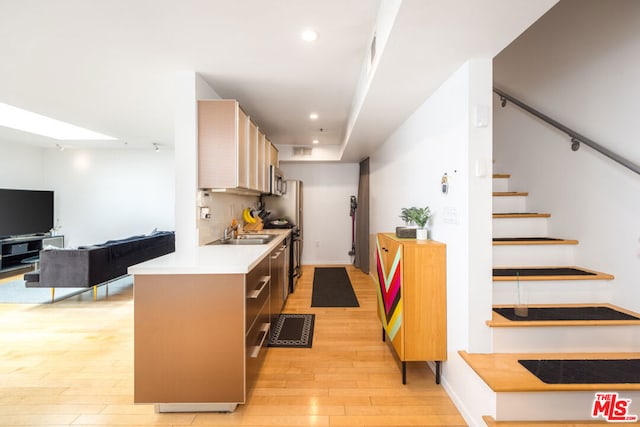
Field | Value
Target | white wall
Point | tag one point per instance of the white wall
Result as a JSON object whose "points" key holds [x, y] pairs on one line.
{"points": [[407, 171], [99, 194], [110, 194], [223, 209], [588, 81], [327, 188], [21, 166], [190, 87]]}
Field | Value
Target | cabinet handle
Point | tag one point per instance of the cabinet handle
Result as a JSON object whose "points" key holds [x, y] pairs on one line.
{"points": [[256, 348], [276, 255], [264, 280]]}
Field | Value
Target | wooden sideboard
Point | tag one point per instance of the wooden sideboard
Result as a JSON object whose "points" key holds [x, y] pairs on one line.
{"points": [[412, 301]]}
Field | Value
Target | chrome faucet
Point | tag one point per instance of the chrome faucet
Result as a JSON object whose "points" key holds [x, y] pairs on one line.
{"points": [[229, 231]]}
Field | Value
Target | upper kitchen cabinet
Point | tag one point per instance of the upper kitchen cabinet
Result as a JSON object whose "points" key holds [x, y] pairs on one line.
{"points": [[262, 164], [252, 157], [273, 155], [232, 151], [222, 145]]}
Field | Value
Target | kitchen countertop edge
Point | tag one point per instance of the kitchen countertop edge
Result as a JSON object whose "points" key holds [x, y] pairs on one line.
{"points": [[211, 259]]}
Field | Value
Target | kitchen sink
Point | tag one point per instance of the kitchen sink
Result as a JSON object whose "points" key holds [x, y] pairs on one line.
{"points": [[246, 239]]}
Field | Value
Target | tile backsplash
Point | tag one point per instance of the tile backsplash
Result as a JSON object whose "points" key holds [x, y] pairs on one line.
{"points": [[223, 208]]}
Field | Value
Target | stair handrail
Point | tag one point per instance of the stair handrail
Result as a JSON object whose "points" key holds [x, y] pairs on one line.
{"points": [[576, 137]]}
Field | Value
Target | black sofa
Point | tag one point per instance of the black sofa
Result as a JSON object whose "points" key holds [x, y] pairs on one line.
{"points": [[90, 266]]}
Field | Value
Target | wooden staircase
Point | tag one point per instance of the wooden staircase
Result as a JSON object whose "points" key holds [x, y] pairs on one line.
{"points": [[521, 243]]}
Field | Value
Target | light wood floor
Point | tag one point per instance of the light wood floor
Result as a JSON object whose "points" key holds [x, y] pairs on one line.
{"points": [[71, 363]]}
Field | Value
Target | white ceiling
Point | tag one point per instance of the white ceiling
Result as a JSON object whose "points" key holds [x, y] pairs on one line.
{"points": [[111, 65]]}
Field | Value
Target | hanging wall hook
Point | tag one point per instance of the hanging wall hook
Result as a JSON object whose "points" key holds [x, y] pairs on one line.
{"points": [[503, 101], [575, 144]]}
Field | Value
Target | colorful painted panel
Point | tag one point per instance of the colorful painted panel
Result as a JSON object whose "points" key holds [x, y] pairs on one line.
{"points": [[389, 291]]}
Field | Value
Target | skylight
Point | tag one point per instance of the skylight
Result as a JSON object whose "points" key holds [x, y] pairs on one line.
{"points": [[17, 118]]}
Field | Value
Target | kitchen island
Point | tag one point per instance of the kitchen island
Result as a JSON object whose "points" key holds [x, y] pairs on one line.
{"points": [[201, 325]]}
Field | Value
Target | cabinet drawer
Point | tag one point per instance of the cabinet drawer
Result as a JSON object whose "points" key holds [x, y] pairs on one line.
{"points": [[257, 293], [256, 344]]}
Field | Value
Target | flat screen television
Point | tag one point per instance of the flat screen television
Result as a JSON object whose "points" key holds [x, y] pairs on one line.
{"points": [[25, 212]]}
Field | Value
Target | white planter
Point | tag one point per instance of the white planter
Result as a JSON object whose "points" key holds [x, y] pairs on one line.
{"points": [[422, 234]]}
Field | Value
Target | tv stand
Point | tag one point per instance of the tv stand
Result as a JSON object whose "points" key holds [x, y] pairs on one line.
{"points": [[14, 250]]}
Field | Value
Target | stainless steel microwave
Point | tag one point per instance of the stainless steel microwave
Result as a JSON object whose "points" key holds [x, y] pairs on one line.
{"points": [[278, 185]]}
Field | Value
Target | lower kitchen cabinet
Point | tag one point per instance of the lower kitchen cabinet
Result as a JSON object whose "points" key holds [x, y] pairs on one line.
{"points": [[412, 302], [199, 339]]}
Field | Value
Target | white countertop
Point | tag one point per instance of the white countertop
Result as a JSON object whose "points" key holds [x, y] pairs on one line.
{"points": [[211, 259]]}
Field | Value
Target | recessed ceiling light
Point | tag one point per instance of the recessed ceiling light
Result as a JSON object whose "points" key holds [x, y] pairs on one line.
{"points": [[309, 35], [315, 141], [313, 116], [17, 118]]}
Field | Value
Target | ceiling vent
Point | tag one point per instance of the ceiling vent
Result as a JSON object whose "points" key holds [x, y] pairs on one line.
{"points": [[301, 151]]}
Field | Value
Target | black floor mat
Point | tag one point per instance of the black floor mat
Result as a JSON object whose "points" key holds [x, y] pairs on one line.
{"points": [[559, 271], [597, 371], [332, 288], [565, 313], [293, 330]]}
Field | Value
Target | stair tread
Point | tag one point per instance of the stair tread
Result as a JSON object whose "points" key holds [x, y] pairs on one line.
{"points": [[521, 215], [498, 320], [502, 175], [491, 422], [502, 372], [547, 273], [510, 193], [532, 241]]}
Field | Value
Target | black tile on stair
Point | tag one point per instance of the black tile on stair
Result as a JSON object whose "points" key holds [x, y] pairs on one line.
{"points": [[585, 371], [565, 313]]}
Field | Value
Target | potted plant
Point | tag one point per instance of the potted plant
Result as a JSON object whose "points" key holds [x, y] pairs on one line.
{"points": [[419, 217]]}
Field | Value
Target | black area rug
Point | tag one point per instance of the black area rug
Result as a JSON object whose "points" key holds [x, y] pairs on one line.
{"points": [[332, 288], [597, 371], [560, 271], [565, 313], [293, 330]]}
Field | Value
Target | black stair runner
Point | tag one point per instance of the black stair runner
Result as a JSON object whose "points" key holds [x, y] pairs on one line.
{"points": [[565, 313], [596, 371], [549, 271]]}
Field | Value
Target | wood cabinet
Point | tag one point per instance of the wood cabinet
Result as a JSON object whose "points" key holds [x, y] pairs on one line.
{"points": [[412, 298], [252, 157], [262, 162], [279, 279], [199, 339], [232, 151], [273, 156]]}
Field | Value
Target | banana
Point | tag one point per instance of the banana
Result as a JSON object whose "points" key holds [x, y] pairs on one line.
{"points": [[248, 218]]}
